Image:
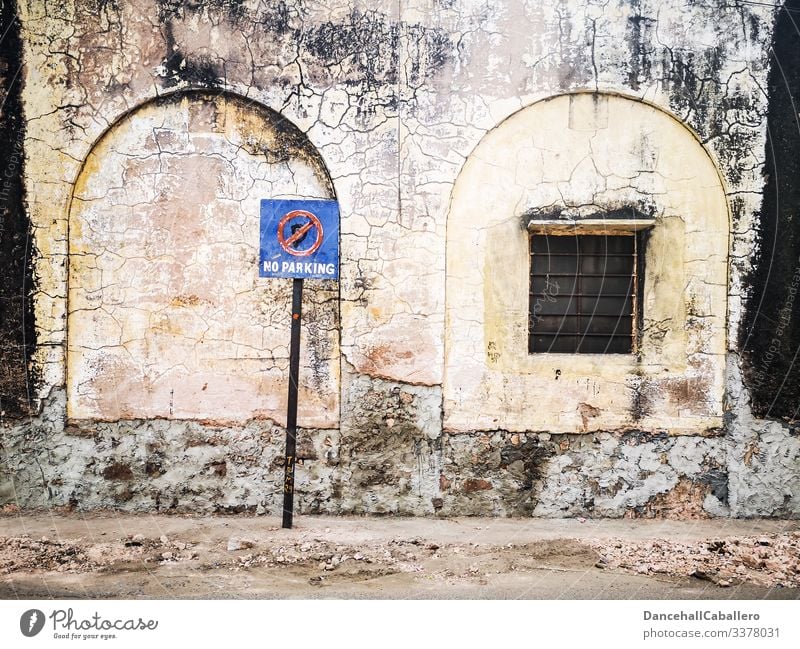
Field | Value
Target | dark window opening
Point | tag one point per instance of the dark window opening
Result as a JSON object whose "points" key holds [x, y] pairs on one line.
{"points": [[583, 294]]}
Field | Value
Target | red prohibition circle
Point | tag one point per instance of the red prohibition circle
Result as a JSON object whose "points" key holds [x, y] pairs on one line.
{"points": [[313, 223]]}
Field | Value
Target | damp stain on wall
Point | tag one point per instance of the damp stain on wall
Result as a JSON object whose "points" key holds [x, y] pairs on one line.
{"points": [[17, 331], [770, 334]]}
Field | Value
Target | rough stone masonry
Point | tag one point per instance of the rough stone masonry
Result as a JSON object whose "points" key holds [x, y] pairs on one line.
{"points": [[143, 363]]}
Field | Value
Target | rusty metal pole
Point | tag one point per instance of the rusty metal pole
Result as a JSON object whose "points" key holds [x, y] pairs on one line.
{"points": [[291, 412]]}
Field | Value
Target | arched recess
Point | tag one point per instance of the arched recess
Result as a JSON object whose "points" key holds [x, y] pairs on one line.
{"points": [[573, 157], [167, 316]]}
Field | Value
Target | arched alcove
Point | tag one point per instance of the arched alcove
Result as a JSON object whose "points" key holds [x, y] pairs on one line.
{"points": [[167, 317], [584, 163]]}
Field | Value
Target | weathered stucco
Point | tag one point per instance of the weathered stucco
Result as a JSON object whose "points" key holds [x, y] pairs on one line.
{"points": [[587, 155], [165, 315], [140, 178]]}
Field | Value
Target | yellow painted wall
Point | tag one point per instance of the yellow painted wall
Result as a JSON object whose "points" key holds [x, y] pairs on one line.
{"points": [[586, 154]]}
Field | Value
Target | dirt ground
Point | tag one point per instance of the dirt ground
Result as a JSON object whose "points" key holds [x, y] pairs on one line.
{"points": [[111, 555]]}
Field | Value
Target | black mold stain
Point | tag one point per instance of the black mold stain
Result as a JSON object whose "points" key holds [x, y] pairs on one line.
{"points": [[199, 71], [717, 479], [533, 456], [575, 66], [738, 128], [172, 58], [737, 206], [638, 36], [17, 332], [364, 47], [770, 336], [628, 212], [277, 18], [367, 44], [640, 401], [755, 27], [637, 437], [430, 51], [726, 114], [690, 78], [98, 6], [167, 9]]}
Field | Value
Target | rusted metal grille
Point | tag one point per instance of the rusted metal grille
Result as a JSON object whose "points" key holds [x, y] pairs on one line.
{"points": [[583, 294]]}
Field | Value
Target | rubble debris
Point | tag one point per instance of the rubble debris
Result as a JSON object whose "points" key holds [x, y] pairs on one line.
{"points": [[772, 560], [235, 544]]}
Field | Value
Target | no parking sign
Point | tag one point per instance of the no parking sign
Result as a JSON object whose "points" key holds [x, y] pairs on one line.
{"points": [[299, 239]]}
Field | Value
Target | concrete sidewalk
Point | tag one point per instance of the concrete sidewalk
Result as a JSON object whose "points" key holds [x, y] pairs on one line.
{"points": [[109, 555], [498, 531]]}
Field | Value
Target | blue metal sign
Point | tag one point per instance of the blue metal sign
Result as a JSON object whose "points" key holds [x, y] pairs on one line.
{"points": [[299, 239]]}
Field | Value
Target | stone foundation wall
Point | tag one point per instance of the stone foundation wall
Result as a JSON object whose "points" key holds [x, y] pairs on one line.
{"points": [[398, 462]]}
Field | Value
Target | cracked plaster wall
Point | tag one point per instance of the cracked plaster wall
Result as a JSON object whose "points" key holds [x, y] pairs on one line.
{"points": [[165, 315], [394, 97], [612, 153]]}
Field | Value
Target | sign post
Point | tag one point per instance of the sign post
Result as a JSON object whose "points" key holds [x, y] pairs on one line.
{"points": [[300, 240], [291, 410]]}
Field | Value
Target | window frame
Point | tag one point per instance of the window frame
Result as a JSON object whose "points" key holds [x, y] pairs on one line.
{"points": [[637, 228]]}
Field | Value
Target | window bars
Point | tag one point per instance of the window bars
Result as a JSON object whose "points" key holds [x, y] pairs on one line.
{"points": [[583, 294]]}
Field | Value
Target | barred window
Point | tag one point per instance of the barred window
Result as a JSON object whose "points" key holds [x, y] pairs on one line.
{"points": [[583, 293]]}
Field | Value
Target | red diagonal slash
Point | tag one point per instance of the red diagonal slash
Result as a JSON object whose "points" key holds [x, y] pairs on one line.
{"points": [[299, 233], [287, 243]]}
